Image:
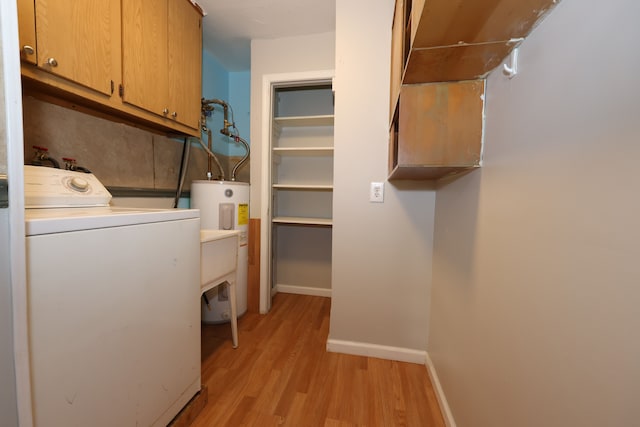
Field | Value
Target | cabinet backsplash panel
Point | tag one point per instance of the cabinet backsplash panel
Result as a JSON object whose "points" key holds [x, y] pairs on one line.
{"points": [[118, 154]]}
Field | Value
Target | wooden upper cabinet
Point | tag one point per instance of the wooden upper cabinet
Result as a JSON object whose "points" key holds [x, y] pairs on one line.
{"points": [[441, 51], [185, 62], [451, 22], [454, 40], [162, 58], [132, 61], [416, 12], [437, 130], [75, 40], [27, 29], [397, 61], [144, 54]]}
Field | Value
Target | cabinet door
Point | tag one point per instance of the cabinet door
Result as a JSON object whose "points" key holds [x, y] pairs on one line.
{"points": [[185, 62], [75, 40], [417, 7], [438, 130], [397, 63], [27, 29], [144, 54], [441, 124]]}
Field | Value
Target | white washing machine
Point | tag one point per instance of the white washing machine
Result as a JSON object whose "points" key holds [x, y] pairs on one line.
{"points": [[114, 305]]}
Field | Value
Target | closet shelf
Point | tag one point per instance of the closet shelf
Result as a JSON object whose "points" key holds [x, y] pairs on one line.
{"points": [[304, 121], [300, 177], [320, 187], [302, 220], [303, 151]]}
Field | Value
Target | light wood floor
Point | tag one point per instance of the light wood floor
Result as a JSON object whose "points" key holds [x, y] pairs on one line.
{"points": [[281, 374]]}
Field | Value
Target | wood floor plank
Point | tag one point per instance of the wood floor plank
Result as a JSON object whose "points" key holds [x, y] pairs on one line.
{"points": [[382, 389], [321, 389], [296, 411], [281, 374], [241, 410], [256, 418]]}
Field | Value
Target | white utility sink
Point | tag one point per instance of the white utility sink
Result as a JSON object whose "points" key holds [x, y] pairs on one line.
{"points": [[218, 256], [219, 264]]}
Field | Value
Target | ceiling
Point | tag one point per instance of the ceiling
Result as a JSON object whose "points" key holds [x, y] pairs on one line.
{"points": [[230, 25]]}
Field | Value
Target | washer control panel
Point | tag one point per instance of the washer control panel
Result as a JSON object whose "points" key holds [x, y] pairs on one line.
{"points": [[58, 188]]}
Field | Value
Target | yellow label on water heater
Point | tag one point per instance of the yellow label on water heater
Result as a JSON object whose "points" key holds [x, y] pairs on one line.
{"points": [[243, 214]]}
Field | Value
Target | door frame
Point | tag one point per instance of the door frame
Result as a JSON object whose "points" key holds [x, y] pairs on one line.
{"points": [[12, 86], [269, 83]]}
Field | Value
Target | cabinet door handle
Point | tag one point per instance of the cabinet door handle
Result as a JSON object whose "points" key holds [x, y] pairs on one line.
{"points": [[52, 62], [174, 114], [165, 111], [28, 50]]}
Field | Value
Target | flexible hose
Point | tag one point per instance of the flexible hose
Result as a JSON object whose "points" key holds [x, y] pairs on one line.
{"points": [[244, 159], [212, 154], [186, 151]]}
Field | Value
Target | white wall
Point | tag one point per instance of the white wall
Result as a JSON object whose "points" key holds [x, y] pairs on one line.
{"points": [[8, 403], [381, 251], [536, 291], [12, 237], [300, 55], [285, 55]]}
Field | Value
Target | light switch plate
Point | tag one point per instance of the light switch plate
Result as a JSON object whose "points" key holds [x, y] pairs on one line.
{"points": [[376, 192]]}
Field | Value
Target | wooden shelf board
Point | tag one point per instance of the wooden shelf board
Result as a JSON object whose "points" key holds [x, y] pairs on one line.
{"points": [[322, 187], [305, 121], [303, 151], [427, 172], [447, 22], [302, 220], [456, 62]]}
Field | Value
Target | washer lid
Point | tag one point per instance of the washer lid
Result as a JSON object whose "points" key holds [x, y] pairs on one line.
{"points": [[61, 220]]}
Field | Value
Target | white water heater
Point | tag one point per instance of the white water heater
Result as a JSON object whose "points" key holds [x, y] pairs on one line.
{"points": [[224, 205]]}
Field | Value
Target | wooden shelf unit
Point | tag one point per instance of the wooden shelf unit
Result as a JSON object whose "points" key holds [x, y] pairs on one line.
{"points": [[437, 131], [302, 187], [454, 40]]}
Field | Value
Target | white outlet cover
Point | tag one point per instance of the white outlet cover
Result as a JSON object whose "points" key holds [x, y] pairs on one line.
{"points": [[376, 192]]}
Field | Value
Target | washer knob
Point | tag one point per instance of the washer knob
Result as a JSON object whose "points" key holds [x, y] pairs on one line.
{"points": [[79, 184]]}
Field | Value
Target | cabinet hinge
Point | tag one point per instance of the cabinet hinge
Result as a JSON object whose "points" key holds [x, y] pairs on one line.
{"points": [[121, 90], [112, 88]]}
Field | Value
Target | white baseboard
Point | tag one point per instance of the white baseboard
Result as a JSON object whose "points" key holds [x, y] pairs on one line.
{"points": [[437, 387], [378, 351], [303, 290]]}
